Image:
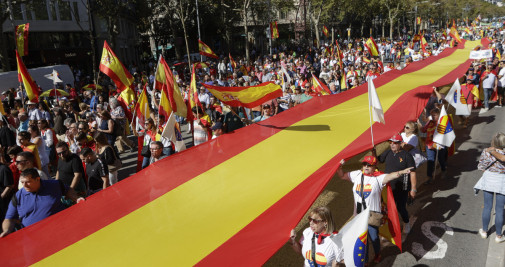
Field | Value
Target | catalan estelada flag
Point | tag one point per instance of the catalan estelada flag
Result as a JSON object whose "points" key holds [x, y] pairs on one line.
{"points": [[372, 47], [22, 38], [205, 50], [319, 87], [222, 201], [32, 90], [274, 31], [164, 81], [325, 31], [112, 67], [142, 110], [247, 96]]}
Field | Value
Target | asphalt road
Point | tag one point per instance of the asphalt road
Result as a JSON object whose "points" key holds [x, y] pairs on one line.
{"points": [[445, 216]]}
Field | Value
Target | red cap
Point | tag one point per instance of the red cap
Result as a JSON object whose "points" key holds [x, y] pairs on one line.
{"points": [[396, 138], [370, 160]]}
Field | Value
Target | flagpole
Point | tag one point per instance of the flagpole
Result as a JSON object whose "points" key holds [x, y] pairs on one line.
{"points": [[198, 24], [370, 114]]}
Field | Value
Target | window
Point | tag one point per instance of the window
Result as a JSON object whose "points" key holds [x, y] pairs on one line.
{"points": [[52, 9], [40, 9], [17, 12], [65, 12], [76, 11]]}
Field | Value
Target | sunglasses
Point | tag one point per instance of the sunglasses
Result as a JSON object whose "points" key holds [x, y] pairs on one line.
{"points": [[391, 142], [367, 164], [266, 106], [314, 220], [61, 153]]}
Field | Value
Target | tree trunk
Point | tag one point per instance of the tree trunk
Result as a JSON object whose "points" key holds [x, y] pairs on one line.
{"points": [[4, 54], [383, 22], [316, 23], [246, 31], [391, 23], [185, 39]]}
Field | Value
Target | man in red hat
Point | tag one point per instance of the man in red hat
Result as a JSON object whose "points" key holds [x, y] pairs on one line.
{"points": [[397, 159]]}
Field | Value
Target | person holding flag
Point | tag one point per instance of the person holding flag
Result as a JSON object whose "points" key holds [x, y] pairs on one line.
{"points": [[433, 150], [316, 245], [367, 188]]}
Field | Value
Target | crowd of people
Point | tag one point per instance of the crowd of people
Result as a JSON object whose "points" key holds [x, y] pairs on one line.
{"points": [[69, 147]]}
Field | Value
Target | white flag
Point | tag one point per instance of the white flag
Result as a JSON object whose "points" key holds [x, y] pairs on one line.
{"points": [[457, 100], [54, 76], [353, 238], [444, 133], [375, 104], [172, 132]]}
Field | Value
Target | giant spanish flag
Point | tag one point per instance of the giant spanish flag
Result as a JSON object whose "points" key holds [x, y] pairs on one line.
{"points": [[112, 67], [32, 90], [205, 50], [22, 38], [171, 97], [247, 96], [372, 47], [231, 198]]}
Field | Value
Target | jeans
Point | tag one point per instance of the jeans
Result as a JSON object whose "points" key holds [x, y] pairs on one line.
{"points": [[145, 162], [401, 196], [373, 235], [442, 159], [488, 206], [487, 95]]}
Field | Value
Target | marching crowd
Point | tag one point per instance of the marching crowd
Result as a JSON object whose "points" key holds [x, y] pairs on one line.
{"points": [[67, 148]]}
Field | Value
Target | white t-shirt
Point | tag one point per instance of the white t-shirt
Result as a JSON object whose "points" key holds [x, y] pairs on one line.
{"points": [[326, 252], [371, 192], [489, 82], [501, 81], [411, 140]]}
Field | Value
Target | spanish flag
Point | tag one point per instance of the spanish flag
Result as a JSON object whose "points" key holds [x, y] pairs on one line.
{"points": [[372, 47], [325, 31], [232, 62], [142, 110], [205, 50], [418, 20], [112, 67], [247, 96], [32, 90], [424, 44], [454, 34], [193, 92], [201, 65], [22, 38], [498, 55], [319, 87], [274, 31], [343, 81], [171, 98], [391, 229]]}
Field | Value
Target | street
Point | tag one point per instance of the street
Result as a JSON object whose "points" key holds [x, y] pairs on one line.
{"points": [[445, 216]]}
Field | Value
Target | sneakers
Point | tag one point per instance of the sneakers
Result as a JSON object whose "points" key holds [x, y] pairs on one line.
{"points": [[406, 228], [499, 239], [482, 233]]}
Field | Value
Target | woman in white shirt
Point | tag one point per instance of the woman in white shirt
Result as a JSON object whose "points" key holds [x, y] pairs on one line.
{"points": [[316, 237], [367, 189]]}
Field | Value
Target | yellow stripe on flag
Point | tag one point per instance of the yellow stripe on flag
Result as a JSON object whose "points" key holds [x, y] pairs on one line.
{"points": [[186, 224]]}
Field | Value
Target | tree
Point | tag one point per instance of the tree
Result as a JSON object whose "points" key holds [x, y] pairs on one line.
{"points": [[393, 8]]}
